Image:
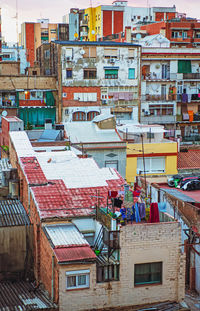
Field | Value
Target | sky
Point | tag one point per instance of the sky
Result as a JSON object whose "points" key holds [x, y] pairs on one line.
{"points": [[31, 10]]}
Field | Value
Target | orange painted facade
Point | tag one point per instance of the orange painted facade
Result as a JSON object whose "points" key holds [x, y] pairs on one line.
{"points": [[30, 47]]}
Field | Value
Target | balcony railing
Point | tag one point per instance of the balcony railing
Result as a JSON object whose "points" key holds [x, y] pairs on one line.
{"points": [[158, 76], [84, 22], [166, 97], [162, 119], [191, 76]]}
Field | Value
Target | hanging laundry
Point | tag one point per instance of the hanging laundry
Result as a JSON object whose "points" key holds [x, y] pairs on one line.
{"points": [[154, 214], [142, 211], [133, 214], [162, 206], [117, 202], [121, 192], [184, 98], [137, 214], [123, 213], [112, 194]]}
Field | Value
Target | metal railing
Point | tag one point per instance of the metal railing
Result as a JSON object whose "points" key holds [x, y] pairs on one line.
{"points": [[166, 97], [191, 76]]}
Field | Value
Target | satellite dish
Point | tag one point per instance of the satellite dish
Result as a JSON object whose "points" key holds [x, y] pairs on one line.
{"points": [[4, 113], [93, 32]]}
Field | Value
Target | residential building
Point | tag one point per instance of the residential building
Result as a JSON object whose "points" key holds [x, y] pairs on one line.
{"points": [[32, 98], [95, 77], [78, 24], [15, 53], [182, 32], [184, 206], [100, 140], [170, 88], [67, 199], [105, 20], [148, 153], [34, 34]]}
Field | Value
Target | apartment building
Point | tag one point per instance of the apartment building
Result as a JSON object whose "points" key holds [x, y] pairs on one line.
{"points": [[94, 77], [78, 244], [105, 20], [170, 87], [15, 53], [148, 152], [182, 32], [35, 33]]}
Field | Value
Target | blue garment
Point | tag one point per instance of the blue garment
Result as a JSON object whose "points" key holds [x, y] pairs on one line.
{"points": [[142, 211], [137, 214], [162, 206]]}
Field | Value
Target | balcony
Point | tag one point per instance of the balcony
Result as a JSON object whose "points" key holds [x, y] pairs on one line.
{"points": [[84, 23], [83, 33], [162, 119], [188, 98], [158, 98], [153, 76], [191, 76]]}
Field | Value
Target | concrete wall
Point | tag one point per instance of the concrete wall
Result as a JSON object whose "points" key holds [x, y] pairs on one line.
{"points": [[139, 244], [25, 82]]}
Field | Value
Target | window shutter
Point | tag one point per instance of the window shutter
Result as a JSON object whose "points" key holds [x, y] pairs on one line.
{"points": [[86, 54], [131, 53], [110, 52], [184, 66], [93, 52], [131, 73]]}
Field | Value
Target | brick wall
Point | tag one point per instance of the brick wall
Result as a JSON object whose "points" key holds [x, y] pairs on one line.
{"points": [[139, 244], [70, 102], [153, 29]]}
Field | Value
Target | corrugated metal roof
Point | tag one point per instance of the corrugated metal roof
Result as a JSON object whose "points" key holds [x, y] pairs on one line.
{"points": [[80, 132], [74, 254], [12, 213], [189, 160], [64, 235], [179, 195], [56, 200], [23, 296]]}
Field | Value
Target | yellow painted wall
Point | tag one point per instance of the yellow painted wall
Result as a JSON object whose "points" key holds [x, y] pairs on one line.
{"points": [[134, 149], [93, 24]]}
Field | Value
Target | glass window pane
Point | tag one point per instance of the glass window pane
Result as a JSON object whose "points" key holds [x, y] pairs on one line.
{"points": [[82, 279], [71, 281]]}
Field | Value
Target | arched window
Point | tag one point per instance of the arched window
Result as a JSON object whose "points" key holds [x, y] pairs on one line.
{"points": [[79, 116], [91, 115]]}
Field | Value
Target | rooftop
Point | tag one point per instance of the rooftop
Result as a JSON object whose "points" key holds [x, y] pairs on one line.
{"points": [[12, 213], [85, 132], [96, 43], [68, 243], [189, 159], [23, 296]]}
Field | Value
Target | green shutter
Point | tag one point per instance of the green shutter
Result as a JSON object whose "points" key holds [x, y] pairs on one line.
{"points": [[131, 73], [37, 116], [184, 66], [111, 71], [50, 101]]}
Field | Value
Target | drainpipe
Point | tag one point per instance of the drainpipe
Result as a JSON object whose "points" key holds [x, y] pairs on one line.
{"points": [[52, 279]]}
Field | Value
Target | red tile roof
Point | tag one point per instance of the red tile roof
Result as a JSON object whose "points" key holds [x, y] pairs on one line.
{"points": [[74, 253], [56, 200], [189, 160], [33, 171]]}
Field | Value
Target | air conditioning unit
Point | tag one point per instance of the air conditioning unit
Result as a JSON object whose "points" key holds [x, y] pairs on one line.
{"points": [[146, 113], [112, 60]]}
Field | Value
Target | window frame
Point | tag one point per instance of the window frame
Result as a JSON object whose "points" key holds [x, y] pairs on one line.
{"points": [[150, 159], [115, 162], [89, 71], [130, 73], [111, 76], [150, 274], [77, 274], [69, 70]]}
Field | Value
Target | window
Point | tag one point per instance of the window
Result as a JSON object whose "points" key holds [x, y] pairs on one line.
{"points": [[90, 52], [107, 273], [68, 73], [110, 53], [90, 73], [111, 73], [47, 54], [131, 53], [79, 116], [112, 164], [91, 115], [150, 135], [184, 66], [152, 165], [131, 73], [148, 273], [77, 279], [85, 97]]}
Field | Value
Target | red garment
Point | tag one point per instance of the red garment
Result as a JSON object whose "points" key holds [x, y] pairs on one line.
{"points": [[154, 213], [112, 194]]}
